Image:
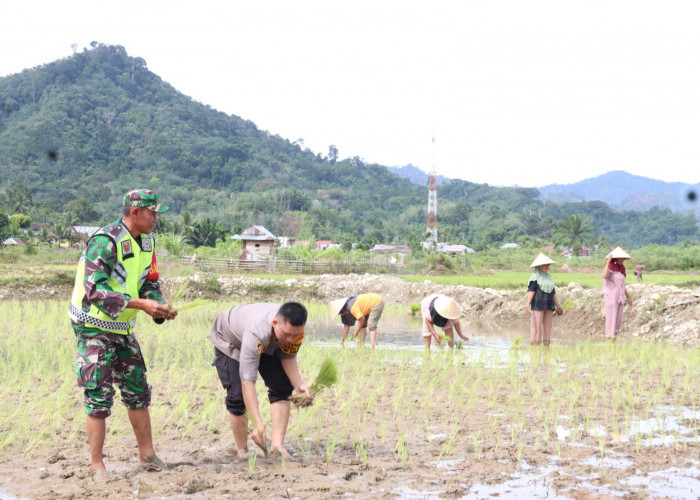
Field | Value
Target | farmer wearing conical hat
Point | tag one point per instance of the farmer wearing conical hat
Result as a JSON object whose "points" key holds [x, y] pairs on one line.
{"points": [[542, 301], [118, 276], [365, 309], [442, 311], [614, 291]]}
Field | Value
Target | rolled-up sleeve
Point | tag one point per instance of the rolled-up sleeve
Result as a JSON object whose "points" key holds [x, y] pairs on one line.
{"points": [[250, 359]]}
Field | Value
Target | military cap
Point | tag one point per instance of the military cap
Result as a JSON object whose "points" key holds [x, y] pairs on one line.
{"points": [[143, 198]]}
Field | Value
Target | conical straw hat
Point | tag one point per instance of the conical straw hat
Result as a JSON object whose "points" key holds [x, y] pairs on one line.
{"points": [[447, 307], [619, 253], [337, 305], [541, 260]]}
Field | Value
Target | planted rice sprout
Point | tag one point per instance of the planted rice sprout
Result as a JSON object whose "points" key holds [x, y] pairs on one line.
{"points": [[327, 376]]}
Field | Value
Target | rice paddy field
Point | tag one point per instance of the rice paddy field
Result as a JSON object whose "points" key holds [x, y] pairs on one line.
{"points": [[584, 419]]}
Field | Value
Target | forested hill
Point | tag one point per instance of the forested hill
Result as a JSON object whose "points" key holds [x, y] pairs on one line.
{"points": [[80, 131], [622, 190]]}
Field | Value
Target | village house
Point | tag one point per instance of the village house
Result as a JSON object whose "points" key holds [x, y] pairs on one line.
{"points": [[12, 241], [323, 244], [456, 249], [258, 242], [380, 248]]}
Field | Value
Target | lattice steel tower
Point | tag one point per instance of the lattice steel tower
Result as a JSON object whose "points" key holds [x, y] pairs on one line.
{"points": [[432, 202]]}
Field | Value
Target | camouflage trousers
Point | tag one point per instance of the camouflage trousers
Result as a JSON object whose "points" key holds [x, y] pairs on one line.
{"points": [[105, 359]]}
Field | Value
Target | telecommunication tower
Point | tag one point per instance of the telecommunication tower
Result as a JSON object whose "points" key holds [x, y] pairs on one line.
{"points": [[432, 202]]}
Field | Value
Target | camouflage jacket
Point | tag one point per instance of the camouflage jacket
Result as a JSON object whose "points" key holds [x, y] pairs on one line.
{"points": [[100, 260]]}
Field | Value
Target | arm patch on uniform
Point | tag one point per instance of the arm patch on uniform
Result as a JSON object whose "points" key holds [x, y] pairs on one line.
{"points": [[293, 347], [153, 270], [260, 348]]}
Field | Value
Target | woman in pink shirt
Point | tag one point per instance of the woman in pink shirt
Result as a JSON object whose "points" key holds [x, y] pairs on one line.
{"points": [[615, 291]]}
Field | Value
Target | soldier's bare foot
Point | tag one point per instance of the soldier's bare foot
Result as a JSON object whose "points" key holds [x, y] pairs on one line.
{"points": [[153, 463]]}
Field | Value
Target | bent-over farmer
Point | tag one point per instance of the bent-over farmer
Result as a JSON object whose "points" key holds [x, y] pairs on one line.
{"points": [[259, 338], [118, 276], [365, 309], [442, 311]]}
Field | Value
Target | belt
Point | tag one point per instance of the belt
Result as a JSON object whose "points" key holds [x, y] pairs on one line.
{"points": [[105, 324]]}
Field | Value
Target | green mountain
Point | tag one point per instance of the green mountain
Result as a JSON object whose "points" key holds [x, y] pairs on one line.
{"points": [[75, 134]]}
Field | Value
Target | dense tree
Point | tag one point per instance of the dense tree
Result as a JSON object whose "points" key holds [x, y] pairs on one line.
{"points": [[206, 233], [4, 226], [332, 154], [81, 209], [77, 133], [22, 221], [574, 231]]}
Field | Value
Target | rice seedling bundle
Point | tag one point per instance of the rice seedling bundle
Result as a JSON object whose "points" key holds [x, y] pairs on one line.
{"points": [[327, 376], [177, 299]]}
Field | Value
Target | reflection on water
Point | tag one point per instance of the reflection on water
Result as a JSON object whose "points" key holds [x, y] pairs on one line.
{"points": [[403, 331]]}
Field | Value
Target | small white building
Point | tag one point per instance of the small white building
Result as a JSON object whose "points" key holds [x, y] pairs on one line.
{"points": [[286, 241], [456, 249]]}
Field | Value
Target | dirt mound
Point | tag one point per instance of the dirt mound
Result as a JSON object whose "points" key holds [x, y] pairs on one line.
{"points": [[660, 312]]}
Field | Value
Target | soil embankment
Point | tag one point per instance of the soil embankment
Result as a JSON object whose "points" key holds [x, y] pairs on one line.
{"points": [[665, 313]]}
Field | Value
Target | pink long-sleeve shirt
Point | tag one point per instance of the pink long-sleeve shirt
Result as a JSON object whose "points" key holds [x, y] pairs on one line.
{"points": [[614, 288]]}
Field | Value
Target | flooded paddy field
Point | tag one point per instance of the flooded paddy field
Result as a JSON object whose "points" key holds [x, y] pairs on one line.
{"points": [[495, 419], [404, 331]]}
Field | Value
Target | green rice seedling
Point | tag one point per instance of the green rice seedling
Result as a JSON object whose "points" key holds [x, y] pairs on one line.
{"points": [[521, 447], [251, 463], [304, 446], [401, 448], [415, 309], [448, 446], [327, 376], [331, 446], [382, 430], [477, 446], [283, 463], [361, 451]]}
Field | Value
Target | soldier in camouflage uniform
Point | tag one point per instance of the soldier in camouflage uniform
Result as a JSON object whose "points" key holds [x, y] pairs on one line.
{"points": [[117, 276]]}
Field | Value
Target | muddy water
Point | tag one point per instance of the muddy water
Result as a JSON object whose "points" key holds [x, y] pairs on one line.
{"points": [[405, 331]]}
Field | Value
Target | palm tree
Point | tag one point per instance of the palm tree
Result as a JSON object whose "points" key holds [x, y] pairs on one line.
{"points": [[574, 231], [69, 222]]}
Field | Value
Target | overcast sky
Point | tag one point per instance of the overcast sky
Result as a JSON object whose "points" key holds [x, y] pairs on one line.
{"points": [[514, 92]]}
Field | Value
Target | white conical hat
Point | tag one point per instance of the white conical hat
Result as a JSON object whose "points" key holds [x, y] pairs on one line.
{"points": [[541, 260], [337, 305], [447, 307], [619, 253]]}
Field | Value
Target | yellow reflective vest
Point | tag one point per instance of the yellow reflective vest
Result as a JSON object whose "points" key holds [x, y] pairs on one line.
{"points": [[132, 267]]}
